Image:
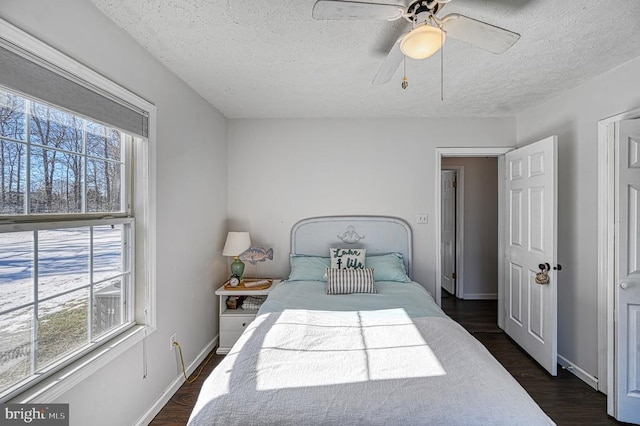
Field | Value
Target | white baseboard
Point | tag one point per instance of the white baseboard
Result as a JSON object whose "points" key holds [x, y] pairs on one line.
{"points": [[480, 296], [578, 372], [173, 387]]}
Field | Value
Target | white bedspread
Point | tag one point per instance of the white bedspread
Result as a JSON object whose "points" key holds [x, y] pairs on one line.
{"points": [[369, 365]]}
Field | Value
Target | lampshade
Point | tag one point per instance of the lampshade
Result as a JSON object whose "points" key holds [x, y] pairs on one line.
{"points": [[422, 42], [236, 243]]}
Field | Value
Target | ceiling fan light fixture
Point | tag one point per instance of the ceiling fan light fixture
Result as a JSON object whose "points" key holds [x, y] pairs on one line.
{"points": [[422, 42]]}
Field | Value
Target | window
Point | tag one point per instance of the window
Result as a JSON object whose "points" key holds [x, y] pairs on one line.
{"points": [[77, 220], [66, 237]]}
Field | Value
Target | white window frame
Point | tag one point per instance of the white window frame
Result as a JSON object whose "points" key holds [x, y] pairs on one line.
{"points": [[144, 206]]}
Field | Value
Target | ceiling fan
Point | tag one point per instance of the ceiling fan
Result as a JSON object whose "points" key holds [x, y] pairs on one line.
{"points": [[428, 34]]}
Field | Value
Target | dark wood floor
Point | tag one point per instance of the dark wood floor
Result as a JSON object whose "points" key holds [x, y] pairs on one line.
{"points": [[177, 410], [565, 398]]}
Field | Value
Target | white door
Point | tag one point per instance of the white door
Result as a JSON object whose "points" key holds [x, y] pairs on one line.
{"points": [[627, 292], [448, 230], [531, 240]]}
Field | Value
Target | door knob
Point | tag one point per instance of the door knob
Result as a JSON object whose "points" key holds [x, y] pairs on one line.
{"points": [[544, 267], [624, 285]]}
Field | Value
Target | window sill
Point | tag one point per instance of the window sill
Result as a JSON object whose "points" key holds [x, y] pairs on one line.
{"points": [[52, 388]]}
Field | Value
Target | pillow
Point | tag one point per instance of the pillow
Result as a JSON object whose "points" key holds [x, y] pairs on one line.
{"points": [[346, 281], [350, 258], [388, 267], [308, 268]]}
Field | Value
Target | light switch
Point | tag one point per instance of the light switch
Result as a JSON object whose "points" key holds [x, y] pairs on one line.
{"points": [[422, 218]]}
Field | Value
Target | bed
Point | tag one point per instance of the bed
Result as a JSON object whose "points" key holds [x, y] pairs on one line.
{"points": [[384, 358]]}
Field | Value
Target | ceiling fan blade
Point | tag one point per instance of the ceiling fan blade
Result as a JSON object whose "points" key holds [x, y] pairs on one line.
{"points": [[479, 34], [390, 64], [506, 4], [334, 9]]}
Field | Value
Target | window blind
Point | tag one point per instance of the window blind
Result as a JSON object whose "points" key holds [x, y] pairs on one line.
{"points": [[33, 76]]}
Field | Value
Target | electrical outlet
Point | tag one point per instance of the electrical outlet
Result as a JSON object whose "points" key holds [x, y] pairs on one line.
{"points": [[422, 218], [172, 340]]}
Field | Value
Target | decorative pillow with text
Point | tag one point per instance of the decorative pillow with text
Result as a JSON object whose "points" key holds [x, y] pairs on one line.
{"points": [[347, 258]]}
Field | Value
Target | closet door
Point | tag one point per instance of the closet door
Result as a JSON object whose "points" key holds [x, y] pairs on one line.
{"points": [[627, 273], [448, 230]]}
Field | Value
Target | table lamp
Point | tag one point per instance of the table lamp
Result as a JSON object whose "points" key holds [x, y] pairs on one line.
{"points": [[237, 242]]}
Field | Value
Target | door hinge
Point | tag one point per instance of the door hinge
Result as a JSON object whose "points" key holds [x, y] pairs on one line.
{"points": [[453, 275], [455, 184]]}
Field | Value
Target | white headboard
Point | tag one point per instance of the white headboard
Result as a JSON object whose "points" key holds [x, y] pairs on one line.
{"points": [[376, 234]]}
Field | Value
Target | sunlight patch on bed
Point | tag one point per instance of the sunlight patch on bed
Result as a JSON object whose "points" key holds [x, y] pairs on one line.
{"points": [[319, 348]]}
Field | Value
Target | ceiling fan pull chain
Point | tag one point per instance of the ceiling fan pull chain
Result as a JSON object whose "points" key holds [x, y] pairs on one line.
{"points": [[441, 67], [405, 82], [438, 23]]}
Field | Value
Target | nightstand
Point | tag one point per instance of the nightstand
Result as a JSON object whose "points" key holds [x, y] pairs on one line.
{"points": [[234, 321]]}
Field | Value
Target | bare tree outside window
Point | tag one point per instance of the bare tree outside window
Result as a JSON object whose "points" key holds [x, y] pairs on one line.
{"points": [[12, 153], [75, 164]]}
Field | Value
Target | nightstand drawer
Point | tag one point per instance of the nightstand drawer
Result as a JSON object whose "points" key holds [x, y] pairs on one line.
{"points": [[235, 324], [231, 327]]}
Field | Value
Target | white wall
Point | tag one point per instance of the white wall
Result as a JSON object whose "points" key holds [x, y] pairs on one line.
{"points": [[191, 205], [573, 116], [480, 225], [282, 171]]}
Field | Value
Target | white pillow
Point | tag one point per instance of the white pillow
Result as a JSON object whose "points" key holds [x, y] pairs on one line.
{"points": [[347, 258], [346, 281]]}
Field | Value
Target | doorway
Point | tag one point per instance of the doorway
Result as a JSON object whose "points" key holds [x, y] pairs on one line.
{"points": [[469, 227], [527, 214], [493, 152]]}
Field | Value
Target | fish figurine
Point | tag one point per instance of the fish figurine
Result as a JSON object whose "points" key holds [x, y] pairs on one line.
{"points": [[255, 254]]}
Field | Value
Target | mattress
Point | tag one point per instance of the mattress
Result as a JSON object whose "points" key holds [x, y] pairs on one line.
{"points": [[361, 359]]}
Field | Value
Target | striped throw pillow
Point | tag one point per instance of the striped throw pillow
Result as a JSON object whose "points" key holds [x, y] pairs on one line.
{"points": [[345, 281]]}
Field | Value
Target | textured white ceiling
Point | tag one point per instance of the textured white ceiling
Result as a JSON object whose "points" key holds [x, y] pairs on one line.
{"points": [[271, 59]]}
